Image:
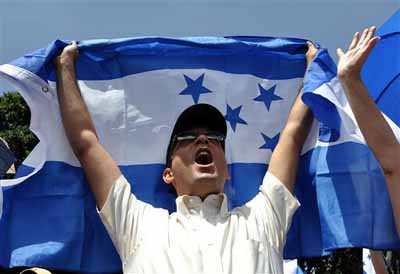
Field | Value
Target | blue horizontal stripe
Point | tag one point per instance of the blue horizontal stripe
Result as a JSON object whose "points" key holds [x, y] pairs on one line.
{"points": [[270, 58]]}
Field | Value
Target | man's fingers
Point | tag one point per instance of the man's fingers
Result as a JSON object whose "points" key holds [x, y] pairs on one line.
{"points": [[75, 44], [354, 42], [370, 34], [310, 45], [371, 43], [72, 49], [375, 40], [367, 49], [312, 50], [364, 34], [69, 53], [339, 52]]}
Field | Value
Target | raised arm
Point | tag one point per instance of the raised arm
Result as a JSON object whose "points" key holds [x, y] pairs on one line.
{"points": [[100, 169], [373, 125], [285, 158], [378, 261]]}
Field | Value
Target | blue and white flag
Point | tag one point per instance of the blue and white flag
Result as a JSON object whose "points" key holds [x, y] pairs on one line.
{"points": [[135, 89], [353, 201]]}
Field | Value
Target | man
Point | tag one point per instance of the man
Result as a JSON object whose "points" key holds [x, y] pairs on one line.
{"points": [[373, 125], [202, 236]]}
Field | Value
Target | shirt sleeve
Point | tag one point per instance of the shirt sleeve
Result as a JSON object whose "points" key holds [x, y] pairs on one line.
{"points": [[272, 210], [122, 215]]}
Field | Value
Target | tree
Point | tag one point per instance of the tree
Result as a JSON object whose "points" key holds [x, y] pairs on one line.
{"points": [[14, 125]]}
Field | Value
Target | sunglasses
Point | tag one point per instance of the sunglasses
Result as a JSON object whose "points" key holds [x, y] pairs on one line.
{"points": [[191, 136]]}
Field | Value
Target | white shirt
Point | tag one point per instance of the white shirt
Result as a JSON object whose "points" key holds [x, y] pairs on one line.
{"points": [[202, 236]]}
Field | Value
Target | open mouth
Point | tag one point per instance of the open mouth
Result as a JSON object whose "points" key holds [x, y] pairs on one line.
{"points": [[203, 157]]}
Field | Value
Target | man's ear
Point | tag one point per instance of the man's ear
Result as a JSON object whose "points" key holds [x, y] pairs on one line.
{"points": [[168, 175]]}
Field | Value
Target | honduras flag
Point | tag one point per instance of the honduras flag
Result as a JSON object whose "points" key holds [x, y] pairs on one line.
{"points": [[135, 89]]}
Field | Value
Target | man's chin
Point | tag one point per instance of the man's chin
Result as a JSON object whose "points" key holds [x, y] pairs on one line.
{"points": [[209, 176], [207, 169], [207, 182], [206, 174]]}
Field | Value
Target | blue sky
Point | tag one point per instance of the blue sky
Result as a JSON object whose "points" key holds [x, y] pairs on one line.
{"points": [[26, 25]]}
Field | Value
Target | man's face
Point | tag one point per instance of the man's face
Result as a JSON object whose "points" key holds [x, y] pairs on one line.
{"points": [[198, 166]]}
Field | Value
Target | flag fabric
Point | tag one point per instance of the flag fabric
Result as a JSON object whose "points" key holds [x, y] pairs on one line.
{"points": [[382, 77], [349, 181], [135, 89]]}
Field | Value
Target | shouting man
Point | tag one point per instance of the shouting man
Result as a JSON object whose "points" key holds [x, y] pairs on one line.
{"points": [[202, 236]]}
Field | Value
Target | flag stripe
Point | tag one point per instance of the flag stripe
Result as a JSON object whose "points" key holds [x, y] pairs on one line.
{"points": [[131, 56]]}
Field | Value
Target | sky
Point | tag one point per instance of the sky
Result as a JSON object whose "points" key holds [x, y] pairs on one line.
{"points": [[26, 25]]}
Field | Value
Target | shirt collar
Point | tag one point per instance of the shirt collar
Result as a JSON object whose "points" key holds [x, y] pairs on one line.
{"points": [[213, 205]]}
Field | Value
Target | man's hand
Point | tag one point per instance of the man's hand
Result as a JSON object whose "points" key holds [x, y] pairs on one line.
{"points": [[310, 54], [351, 62], [68, 56]]}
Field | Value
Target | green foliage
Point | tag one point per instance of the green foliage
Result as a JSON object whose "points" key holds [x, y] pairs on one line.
{"points": [[14, 125]]}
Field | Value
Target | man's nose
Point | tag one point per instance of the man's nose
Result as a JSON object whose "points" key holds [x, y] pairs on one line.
{"points": [[202, 139]]}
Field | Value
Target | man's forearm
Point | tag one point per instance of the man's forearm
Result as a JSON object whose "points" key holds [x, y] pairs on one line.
{"points": [[75, 116], [299, 123], [376, 130], [285, 158], [379, 137], [100, 169], [378, 262]]}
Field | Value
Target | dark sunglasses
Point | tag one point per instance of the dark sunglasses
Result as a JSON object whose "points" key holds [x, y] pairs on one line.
{"points": [[190, 136]]}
